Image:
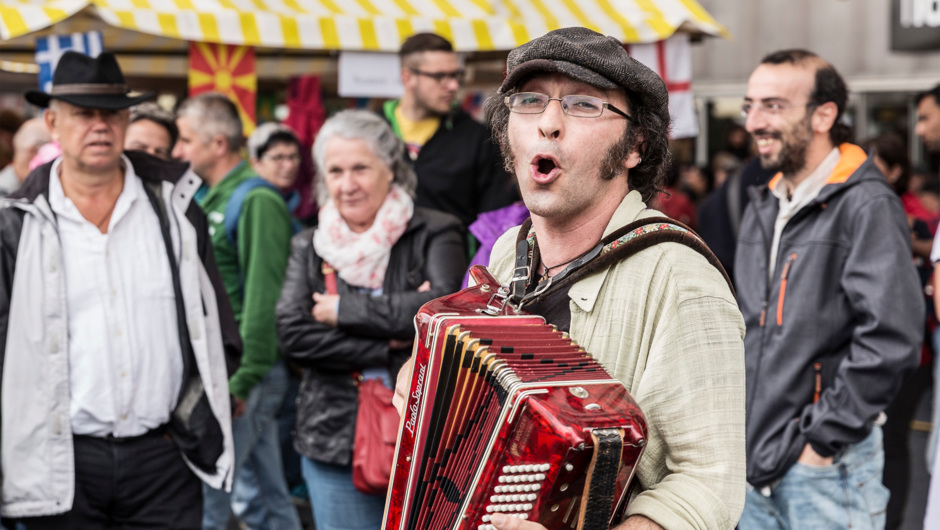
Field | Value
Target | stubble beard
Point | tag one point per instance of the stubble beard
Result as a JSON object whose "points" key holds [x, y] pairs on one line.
{"points": [[792, 157], [610, 167]]}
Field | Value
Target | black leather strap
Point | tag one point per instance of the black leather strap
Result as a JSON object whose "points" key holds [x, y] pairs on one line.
{"points": [[597, 502]]}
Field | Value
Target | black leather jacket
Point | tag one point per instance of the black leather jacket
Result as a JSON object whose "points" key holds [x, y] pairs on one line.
{"points": [[431, 249]]}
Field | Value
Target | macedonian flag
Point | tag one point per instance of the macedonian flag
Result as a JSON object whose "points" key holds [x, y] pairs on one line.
{"points": [[227, 69]]}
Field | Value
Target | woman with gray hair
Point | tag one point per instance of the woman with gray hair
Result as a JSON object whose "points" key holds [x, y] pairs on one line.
{"points": [[389, 258]]}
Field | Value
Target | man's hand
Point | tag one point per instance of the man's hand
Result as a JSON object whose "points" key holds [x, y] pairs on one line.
{"points": [[503, 522], [638, 522], [401, 386], [238, 407], [324, 308], [811, 458]]}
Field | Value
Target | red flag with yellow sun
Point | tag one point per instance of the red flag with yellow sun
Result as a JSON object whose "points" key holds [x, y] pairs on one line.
{"points": [[227, 69]]}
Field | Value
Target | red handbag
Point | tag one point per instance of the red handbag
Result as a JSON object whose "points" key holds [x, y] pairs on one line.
{"points": [[376, 424], [376, 435]]}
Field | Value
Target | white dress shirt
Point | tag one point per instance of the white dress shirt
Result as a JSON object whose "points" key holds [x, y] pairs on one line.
{"points": [[804, 193], [125, 362]]}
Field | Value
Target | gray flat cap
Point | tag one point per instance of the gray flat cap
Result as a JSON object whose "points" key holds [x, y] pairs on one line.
{"points": [[592, 58]]}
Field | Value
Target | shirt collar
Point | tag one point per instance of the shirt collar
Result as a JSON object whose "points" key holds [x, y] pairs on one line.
{"points": [[809, 188], [584, 292]]}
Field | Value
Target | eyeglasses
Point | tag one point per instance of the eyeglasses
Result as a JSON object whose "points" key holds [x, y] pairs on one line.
{"points": [[574, 105], [440, 77], [772, 108], [278, 159]]}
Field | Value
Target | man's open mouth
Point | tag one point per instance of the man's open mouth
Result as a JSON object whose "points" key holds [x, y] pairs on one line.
{"points": [[546, 166]]}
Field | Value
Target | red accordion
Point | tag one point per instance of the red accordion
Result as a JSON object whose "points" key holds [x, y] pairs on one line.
{"points": [[505, 414]]}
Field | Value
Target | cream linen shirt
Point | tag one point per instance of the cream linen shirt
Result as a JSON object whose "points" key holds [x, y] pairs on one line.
{"points": [[665, 323], [125, 363], [804, 193]]}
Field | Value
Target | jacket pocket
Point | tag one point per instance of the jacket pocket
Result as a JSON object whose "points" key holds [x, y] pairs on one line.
{"points": [[783, 287]]}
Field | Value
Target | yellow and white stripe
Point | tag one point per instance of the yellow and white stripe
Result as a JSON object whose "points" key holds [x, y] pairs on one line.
{"points": [[19, 17], [373, 25]]}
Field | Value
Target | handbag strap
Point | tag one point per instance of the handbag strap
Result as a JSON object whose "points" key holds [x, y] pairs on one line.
{"points": [[329, 278]]}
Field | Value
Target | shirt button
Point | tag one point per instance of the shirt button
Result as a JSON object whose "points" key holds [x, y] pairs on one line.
{"points": [[118, 333], [123, 374], [124, 417], [113, 292]]}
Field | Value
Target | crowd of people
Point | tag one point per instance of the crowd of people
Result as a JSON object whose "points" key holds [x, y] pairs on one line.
{"points": [[178, 346]]}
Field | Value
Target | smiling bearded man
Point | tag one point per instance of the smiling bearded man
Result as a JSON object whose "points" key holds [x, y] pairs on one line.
{"points": [[831, 301]]}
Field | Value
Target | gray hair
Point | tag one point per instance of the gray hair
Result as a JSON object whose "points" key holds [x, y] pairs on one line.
{"points": [[212, 114], [33, 133], [378, 135], [267, 134]]}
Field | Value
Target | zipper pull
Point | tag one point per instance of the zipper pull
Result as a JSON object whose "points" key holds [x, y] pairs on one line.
{"points": [[783, 287], [763, 313], [818, 368]]}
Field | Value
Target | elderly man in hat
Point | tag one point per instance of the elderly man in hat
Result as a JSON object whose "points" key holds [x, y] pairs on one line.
{"points": [[584, 128], [114, 326]]}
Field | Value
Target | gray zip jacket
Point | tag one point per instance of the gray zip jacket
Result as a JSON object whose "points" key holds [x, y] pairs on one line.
{"points": [[36, 451], [831, 338]]}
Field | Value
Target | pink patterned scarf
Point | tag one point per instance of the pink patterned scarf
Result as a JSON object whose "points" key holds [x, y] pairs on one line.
{"points": [[361, 259]]}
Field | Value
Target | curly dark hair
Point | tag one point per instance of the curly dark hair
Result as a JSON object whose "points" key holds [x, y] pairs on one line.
{"points": [[646, 133], [828, 86]]}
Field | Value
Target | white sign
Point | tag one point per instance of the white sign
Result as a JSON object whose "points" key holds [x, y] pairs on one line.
{"points": [[369, 75]]}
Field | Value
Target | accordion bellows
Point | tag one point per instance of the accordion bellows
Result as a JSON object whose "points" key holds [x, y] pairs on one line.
{"points": [[505, 414]]}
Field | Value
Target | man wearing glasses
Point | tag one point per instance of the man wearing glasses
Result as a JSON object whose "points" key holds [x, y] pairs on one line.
{"points": [[459, 169], [831, 301], [585, 129]]}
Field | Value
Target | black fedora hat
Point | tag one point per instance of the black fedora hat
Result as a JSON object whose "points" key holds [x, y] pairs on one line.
{"points": [[89, 82]]}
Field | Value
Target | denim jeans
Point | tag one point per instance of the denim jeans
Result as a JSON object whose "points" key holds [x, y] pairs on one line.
{"points": [[256, 441], [247, 502], [935, 415], [847, 494], [337, 504]]}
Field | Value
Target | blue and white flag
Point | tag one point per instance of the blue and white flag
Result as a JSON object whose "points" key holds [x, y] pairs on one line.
{"points": [[50, 49]]}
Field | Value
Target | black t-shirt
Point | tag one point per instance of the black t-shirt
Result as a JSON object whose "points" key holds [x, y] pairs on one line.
{"points": [[554, 307]]}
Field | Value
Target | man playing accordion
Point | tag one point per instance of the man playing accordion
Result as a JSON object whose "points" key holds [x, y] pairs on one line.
{"points": [[584, 127]]}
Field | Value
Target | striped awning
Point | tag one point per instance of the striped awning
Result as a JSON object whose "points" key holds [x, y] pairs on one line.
{"points": [[372, 25]]}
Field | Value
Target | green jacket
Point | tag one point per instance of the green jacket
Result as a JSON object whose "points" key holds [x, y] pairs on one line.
{"points": [[252, 273]]}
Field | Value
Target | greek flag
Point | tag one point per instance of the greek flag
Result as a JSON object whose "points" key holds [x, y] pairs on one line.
{"points": [[50, 49]]}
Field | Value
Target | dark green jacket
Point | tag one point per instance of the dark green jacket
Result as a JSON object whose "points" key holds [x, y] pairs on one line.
{"points": [[252, 273]]}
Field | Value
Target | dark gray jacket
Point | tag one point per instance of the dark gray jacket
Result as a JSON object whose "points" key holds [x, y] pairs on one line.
{"points": [[431, 249], [842, 316]]}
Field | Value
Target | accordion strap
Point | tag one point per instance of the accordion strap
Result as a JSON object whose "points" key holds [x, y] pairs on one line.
{"points": [[617, 246], [600, 484]]}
